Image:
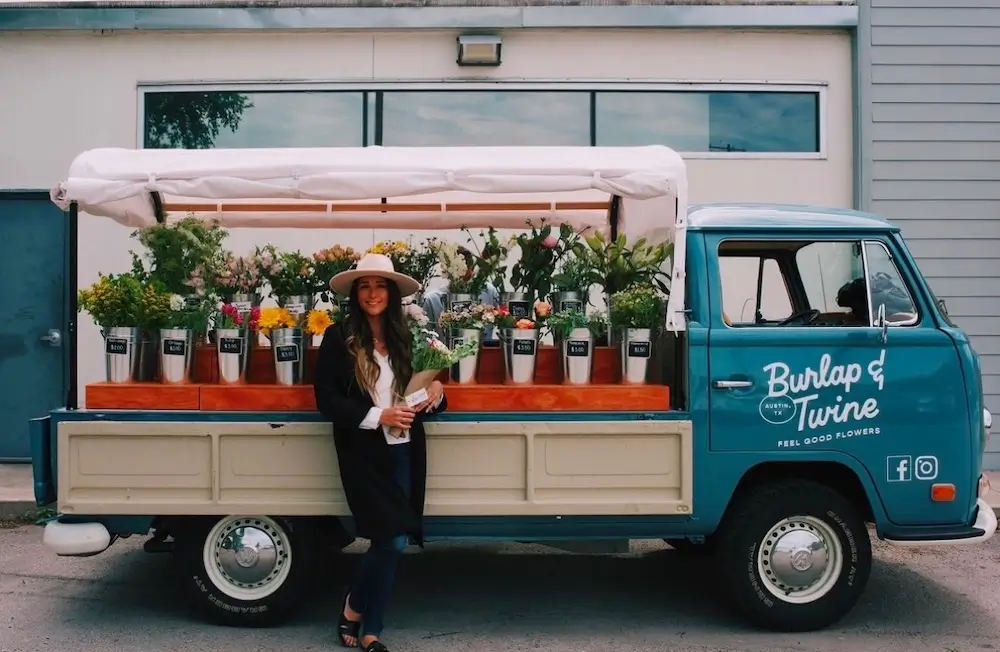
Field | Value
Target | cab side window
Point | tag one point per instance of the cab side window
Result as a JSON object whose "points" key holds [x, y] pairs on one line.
{"points": [[741, 275], [886, 288]]}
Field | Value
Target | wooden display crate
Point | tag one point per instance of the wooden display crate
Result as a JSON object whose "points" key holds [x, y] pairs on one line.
{"points": [[488, 394]]}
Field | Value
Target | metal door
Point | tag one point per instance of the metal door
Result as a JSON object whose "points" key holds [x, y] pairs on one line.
{"points": [[33, 254]]}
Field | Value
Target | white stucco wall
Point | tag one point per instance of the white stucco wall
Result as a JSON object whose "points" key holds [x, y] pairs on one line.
{"points": [[65, 93]]}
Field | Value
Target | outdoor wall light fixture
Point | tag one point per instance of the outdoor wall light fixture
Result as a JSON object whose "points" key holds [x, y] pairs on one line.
{"points": [[479, 50]]}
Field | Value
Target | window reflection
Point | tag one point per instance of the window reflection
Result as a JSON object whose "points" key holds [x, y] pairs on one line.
{"points": [[688, 121], [710, 122], [484, 118], [224, 119]]}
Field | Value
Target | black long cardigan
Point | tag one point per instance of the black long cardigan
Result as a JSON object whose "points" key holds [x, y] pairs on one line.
{"points": [[379, 506]]}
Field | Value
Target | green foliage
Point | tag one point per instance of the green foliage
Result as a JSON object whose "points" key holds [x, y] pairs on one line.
{"points": [[115, 300], [638, 307], [561, 323], [287, 272], [615, 266], [178, 252]]}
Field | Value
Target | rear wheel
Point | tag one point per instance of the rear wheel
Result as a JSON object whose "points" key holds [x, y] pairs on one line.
{"points": [[244, 570], [794, 555]]}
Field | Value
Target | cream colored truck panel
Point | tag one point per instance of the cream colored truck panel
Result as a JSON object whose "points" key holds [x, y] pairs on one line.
{"points": [[474, 469]]}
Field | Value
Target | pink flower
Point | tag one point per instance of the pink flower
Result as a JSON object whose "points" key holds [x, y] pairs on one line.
{"points": [[550, 241], [543, 308]]}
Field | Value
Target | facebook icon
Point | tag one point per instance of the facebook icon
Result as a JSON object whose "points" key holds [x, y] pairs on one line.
{"points": [[898, 468]]}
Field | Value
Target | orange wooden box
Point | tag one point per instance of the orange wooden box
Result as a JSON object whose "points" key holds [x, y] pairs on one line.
{"points": [[488, 394]]}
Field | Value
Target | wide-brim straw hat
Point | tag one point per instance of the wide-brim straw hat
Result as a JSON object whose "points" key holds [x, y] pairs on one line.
{"points": [[373, 265]]}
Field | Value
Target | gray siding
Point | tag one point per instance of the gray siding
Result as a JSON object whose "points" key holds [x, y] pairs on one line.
{"points": [[929, 86]]}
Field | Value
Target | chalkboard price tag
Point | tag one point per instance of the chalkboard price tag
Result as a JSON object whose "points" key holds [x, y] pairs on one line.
{"points": [[577, 348], [457, 342], [116, 346], [638, 349], [174, 347], [286, 353], [231, 345], [518, 309], [524, 347], [567, 306]]}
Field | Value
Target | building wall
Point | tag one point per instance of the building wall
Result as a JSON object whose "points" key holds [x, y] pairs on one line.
{"points": [[78, 91], [931, 154]]}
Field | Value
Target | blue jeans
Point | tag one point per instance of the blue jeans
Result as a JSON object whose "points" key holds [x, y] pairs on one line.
{"points": [[372, 586]]}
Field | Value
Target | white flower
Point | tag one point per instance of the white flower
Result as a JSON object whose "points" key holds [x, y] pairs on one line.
{"points": [[176, 303]]}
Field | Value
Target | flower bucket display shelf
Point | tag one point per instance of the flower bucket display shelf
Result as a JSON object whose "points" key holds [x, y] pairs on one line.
{"points": [[487, 394]]}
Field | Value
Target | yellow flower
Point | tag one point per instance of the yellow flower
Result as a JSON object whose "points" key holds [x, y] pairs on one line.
{"points": [[274, 317], [318, 321]]}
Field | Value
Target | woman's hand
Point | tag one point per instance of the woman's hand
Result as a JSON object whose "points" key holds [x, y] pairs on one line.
{"points": [[434, 393], [399, 416]]}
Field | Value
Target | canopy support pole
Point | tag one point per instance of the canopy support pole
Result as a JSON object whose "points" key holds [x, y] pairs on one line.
{"points": [[158, 209], [72, 263]]}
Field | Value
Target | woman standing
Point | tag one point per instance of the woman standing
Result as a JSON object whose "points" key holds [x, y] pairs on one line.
{"points": [[362, 369]]}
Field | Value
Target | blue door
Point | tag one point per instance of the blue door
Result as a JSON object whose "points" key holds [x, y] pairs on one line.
{"points": [[33, 254], [798, 368]]}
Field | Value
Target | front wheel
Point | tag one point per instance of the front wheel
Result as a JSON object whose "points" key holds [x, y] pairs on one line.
{"points": [[794, 555], [244, 570]]}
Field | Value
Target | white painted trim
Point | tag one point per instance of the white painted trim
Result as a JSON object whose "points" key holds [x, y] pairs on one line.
{"points": [[582, 85]]}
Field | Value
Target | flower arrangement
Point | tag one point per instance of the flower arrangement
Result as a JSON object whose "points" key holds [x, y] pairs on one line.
{"points": [[562, 323], [114, 300], [476, 316], [616, 266], [574, 275], [187, 315], [274, 317], [329, 262], [415, 315], [317, 321], [416, 262], [175, 251], [637, 307], [234, 275], [489, 263], [543, 310], [230, 316], [430, 356], [289, 273], [458, 267], [540, 251]]}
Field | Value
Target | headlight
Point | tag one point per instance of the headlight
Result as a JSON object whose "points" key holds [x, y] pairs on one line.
{"points": [[987, 419]]}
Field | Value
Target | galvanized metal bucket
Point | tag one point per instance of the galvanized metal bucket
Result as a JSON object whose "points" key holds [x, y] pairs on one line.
{"points": [[578, 356], [636, 350], [233, 346], [520, 353], [176, 353], [567, 301], [298, 305], [465, 370], [122, 345], [288, 350], [244, 303], [518, 304]]}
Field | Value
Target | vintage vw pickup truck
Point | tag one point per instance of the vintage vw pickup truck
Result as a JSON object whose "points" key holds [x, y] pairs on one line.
{"points": [[808, 384]]}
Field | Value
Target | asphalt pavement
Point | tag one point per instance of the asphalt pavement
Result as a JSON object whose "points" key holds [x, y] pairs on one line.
{"points": [[497, 598]]}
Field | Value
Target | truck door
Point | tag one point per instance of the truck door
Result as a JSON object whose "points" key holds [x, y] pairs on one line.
{"points": [[800, 366]]}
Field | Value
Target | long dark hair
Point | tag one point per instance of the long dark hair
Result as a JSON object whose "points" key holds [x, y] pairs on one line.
{"points": [[361, 341]]}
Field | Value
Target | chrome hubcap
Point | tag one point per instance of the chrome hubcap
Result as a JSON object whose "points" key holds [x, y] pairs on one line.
{"points": [[247, 558], [800, 559]]}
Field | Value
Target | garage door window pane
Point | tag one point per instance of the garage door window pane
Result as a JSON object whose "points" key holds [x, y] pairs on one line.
{"points": [[226, 119], [485, 118], [710, 122]]}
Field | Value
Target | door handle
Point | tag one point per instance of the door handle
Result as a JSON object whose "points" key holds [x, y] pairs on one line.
{"points": [[53, 337], [731, 384]]}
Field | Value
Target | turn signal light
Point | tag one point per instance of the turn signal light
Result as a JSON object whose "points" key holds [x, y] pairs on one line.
{"points": [[943, 493]]}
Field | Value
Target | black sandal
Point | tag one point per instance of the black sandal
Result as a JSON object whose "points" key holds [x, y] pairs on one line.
{"points": [[348, 628], [374, 646]]}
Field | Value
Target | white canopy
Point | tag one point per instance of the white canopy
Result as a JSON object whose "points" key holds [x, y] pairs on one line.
{"points": [[392, 187]]}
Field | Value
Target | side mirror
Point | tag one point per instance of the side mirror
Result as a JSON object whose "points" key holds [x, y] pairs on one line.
{"points": [[943, 307]]}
